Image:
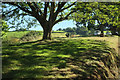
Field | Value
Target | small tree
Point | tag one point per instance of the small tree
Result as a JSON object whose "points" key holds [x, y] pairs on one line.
{"points": [[83, 31], [71, 31], [59, 29], [92, 31]]}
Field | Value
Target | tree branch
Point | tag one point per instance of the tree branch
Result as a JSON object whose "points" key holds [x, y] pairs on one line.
{"points": [[67, 7], [31, 6], [60, 5], [64, 18], [52, 9], [38, 9], [22, 8], [23, 14], [11, 11], [45, 9]]}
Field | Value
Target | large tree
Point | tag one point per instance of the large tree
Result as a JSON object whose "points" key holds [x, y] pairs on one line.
{"points": [[46, 13], [106, 14]]}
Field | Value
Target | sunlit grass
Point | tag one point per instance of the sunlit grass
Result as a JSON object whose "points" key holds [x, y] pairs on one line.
{"points": [[17, 34], [54, 59]]}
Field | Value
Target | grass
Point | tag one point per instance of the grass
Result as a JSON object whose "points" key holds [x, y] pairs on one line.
{"points": [[16, 37], [17, 34], [58, 35], [71, 58], [58, 31], [113, 42], [63, 58]]}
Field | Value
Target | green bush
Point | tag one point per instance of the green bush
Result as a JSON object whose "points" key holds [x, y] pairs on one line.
{"points": [[20, 36], [83, 31], [31, 35], [4, 28]]}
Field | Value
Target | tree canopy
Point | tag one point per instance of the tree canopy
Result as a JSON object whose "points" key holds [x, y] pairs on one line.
{"points": [[106, 14]]}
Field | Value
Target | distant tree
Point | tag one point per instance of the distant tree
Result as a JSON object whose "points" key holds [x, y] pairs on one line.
{"points": [[92, 31], [71, 31], [83, 31], [22, 29], [101, 12], [59, 29]]}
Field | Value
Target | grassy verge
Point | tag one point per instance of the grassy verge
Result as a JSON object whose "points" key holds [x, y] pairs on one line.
{"points": [[113, 42], [20, 37], [17, 34], [74, 59]]}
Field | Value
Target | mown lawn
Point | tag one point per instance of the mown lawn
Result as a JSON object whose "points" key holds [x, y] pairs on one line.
{"points": [[72, 58]]}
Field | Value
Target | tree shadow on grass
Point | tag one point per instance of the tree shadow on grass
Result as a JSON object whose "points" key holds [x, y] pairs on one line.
{"points": [[55, 59]]}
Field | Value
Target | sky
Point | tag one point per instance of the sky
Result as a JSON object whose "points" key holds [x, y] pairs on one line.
{"points": [[62, 25]]}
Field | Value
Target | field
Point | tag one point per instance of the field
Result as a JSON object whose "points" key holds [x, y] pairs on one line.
{"points": [[19, 34], [16, 34], [73, 58]]}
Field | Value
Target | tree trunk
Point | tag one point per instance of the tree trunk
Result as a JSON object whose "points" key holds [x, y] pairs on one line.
{"points": [[47, 28], [102, 31], [102, 34], [118, 33], [113, 30], [47, 33]]}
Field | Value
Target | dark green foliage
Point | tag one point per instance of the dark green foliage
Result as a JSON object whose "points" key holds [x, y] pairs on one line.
{"points": [[82, 31], [16, 37], [31, 35], [70, 30], [59, 29], [92, 31], [105, 14], [4, 29]]}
